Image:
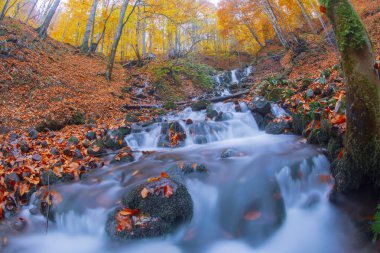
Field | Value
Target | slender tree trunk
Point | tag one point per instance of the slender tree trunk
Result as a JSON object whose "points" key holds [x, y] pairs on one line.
{"points": [[273, 20], [65, 30], [143, 35], [151, 32], [360, 164], [31, 12], [4, 10], [138, 30], [306, 16], [90, 22], [253, 33], [42, 30], [119, 30]]}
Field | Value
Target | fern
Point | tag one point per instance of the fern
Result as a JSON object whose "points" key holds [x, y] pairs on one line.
{"points": [[376, 223]]}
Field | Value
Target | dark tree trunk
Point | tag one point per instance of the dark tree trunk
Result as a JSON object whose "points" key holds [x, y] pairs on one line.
{"points": [[42, 30], [4, 10], [360, 164]]}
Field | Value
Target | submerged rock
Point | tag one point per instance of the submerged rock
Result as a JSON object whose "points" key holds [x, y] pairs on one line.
{"points": [[252, 209], [181, 170], [152, 209], [228, 153]]}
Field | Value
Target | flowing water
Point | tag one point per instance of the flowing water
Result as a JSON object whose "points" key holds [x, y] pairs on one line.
{"points": [[236, 205]]}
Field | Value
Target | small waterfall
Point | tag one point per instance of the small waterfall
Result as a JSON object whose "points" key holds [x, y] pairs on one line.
{"points": [[227, 80], [230, 125], [233, 77]]}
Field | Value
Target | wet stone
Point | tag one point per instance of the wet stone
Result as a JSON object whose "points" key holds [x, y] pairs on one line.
{"points": [[160, 207]]}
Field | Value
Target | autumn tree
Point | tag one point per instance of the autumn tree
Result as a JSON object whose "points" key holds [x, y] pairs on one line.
{"points": [[42, 30], [118, 33], [89, 26], [360, 164]]}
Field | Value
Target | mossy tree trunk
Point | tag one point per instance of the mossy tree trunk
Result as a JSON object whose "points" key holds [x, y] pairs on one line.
{"points": [[360, 165]]}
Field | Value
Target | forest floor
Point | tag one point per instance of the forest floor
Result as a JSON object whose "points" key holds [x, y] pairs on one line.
{"points": [[47, 84]]}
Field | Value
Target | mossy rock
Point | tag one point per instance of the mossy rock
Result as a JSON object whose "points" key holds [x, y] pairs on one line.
{"points": [[97, 148], [200, 105], [115, 138], [261, 105], [321, 135], [172, 128], [277, 128], [300, 123], [78, 118], [162, 214], [131, 118], [211, 113]]}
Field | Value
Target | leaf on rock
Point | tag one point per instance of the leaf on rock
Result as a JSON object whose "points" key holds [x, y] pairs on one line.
{"points": [[144, 193], [252, 216], [168, 191]]}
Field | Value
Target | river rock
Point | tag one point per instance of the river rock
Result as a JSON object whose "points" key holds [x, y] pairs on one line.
{"points": [[96, 148], [172, 135], [228, 153], [24, 146], [261, 105], [200, 105], [124, 156], [115, 138], [91, 136], [310, 93], [180, 170], [300, 123], [33, 134], [157, 208], [277, 127]]}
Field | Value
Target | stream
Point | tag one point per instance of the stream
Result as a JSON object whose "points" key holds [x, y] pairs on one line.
{"points": [[260, 172]]}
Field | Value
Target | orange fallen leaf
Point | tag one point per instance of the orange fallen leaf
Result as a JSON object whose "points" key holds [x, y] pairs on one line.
{"points": [[252, 216], [338, 119], [24, 188], [168, 191], [95, 148], [129, 212], [144, 193], [164, 175], [325, 178], [341, 153]]}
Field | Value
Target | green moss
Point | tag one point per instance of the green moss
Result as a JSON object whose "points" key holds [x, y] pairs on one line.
{"points": [[170, 105], [350, 31]]}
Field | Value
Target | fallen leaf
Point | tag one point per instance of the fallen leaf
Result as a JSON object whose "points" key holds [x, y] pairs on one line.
{"points": [[252, 216], [144, 193], [168, 191]]}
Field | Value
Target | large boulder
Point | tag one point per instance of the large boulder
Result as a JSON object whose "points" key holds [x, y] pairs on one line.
{"points": [[152, 209]]}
